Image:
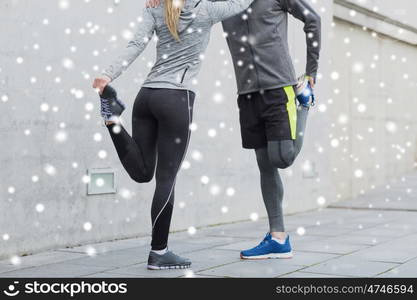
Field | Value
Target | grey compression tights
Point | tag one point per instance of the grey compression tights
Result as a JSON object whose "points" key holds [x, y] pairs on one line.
{"points": [[279, 155]]}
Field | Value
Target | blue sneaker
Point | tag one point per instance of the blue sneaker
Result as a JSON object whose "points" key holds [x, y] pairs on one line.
{"points": [[269, 248], [305, 94]]}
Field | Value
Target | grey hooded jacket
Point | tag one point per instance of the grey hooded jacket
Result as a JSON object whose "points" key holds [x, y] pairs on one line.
{"points": [[258, 43], [177, 62]]}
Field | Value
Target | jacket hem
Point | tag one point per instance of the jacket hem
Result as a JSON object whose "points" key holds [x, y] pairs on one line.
{"points": [[243, 92], [166, 85]]}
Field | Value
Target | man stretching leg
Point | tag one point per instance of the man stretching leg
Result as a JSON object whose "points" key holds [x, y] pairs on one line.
{"points": [[271, 123]]}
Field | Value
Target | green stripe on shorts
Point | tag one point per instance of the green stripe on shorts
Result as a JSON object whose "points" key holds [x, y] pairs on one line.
{"points": [[292, 110]]}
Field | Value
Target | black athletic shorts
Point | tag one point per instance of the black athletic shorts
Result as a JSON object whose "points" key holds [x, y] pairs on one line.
{"points": [[270, 115]]}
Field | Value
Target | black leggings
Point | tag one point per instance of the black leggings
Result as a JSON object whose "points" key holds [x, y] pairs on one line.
{"points": [[161, 121]]}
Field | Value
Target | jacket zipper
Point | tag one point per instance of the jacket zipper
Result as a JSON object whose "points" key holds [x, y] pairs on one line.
{"points": [[183, 75], [253, 56]]}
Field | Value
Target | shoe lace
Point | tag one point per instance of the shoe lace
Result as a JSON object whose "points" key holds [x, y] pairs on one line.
{"points": [[105, 107], [263, 242]]}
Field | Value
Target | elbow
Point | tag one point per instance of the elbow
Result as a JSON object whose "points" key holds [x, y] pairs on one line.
{"points": [[318, 22], [313, 24], [314, 18]]}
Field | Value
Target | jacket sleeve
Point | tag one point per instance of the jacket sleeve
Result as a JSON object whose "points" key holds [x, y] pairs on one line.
{"points": [[223, 9], [312, 27], [134, 47]]}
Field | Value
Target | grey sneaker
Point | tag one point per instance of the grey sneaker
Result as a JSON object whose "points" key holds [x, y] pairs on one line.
{"points": [[166, 261], [111, 106]]}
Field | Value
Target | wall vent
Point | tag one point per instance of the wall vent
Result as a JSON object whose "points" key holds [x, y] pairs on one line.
{"points": [[102, 181]]}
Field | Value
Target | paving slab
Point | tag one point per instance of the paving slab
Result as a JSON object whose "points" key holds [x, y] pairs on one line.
{"points": [[406, 270], [395, 199], [114, 259], [334, 230], [7, 267], [181, 247], [140, 270], [201, 260], [305, 258], [58, 270], [354, 239], [108, 246], [328, 246], [252, 269], [38, 259], [300, 274], [213, 241], [302, 258], [405, 250], [111, 275], [246, 233], [386, 231], [239, 246], [206, 259]]}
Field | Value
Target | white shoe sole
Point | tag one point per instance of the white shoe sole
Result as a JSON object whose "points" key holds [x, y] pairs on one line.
{"points": [[114, 119], [150, 267], [269, 256]]}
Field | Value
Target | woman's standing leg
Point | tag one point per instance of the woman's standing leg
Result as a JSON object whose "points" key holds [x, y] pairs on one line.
{"points": [[137, 153], [173, 109]]}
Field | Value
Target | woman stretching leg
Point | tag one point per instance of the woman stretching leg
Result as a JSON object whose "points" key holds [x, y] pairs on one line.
{"points": [[160, 132], [162, 110]]}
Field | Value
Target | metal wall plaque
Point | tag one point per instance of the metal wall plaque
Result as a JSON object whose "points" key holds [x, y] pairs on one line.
{"points": [[102, 181]]}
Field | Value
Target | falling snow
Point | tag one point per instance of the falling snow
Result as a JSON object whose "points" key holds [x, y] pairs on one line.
{"points": [[358, 103]]}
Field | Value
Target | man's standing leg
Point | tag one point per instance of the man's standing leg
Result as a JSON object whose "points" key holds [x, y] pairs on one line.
{"points": [[284, 148], [260, 114], [272, 192]]}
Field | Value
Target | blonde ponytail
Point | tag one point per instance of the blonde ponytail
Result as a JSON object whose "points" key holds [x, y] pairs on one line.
{"points": [[172, 15]]}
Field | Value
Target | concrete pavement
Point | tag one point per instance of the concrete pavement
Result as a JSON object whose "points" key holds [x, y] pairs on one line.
{"points": [[374, 235]]}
